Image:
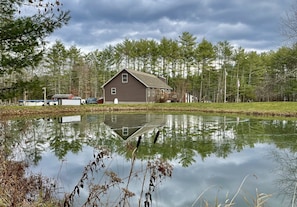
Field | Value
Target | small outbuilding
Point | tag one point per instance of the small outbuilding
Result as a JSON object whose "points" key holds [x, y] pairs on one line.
{"points": [[130, 86], [65, 99]]}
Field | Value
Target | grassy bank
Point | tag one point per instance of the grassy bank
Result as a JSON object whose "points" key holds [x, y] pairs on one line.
{"points": [[283, 109]]}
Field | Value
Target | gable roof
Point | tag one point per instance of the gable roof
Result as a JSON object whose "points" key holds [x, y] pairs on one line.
{"points": [[62, 96], [137, 125], [149, 80]]}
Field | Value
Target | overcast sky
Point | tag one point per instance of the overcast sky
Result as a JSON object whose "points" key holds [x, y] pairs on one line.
{"points": [[251, 24]]}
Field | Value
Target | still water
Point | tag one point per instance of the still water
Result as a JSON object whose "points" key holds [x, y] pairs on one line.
{"points": [[160, 159]]}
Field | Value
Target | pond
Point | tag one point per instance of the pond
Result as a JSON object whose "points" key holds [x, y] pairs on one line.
{"points": [[159, 159]]}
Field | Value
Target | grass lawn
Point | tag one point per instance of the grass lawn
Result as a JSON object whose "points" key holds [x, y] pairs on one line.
{"points": [[285, 109]]}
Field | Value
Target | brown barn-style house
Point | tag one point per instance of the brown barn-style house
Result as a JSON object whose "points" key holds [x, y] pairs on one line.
{"points": [[130, 86]]}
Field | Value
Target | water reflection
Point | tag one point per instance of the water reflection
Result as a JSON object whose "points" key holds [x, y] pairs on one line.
{"points": [[134, 125], [286, 172], [66, 119], [192, 153]]}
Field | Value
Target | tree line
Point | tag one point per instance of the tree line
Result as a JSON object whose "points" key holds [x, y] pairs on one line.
{"points": [[211, 72]]}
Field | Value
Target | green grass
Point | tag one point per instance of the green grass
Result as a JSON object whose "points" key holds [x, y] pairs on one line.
{"points": [[254, 108], [282, 109]]}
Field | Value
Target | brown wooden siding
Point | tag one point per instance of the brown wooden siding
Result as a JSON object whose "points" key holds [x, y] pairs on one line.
{"points": [[133, 91]]}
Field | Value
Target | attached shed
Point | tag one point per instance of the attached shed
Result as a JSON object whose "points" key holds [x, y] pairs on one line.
{"points": [[130, 86]]}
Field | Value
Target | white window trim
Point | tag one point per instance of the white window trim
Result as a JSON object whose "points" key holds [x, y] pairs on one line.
{"points": [[125, 78], [125, 131], [113, 119], [113, 91]]}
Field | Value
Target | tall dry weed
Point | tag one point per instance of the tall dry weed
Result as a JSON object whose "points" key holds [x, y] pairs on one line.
{"points": [[18, 189]]}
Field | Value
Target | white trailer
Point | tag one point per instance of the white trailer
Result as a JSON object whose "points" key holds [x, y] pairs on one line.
{"points": [[31, 102], [69, 102]]}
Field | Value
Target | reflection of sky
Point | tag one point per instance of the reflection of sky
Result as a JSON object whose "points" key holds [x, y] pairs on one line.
{"points": [[225, 176], [215, 175], [220, 176]]}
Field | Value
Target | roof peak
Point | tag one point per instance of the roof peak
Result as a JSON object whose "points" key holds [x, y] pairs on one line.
{"points": [[148, 79]]}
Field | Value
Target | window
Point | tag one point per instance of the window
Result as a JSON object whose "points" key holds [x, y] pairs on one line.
{"points": [[113, 118], [125, 78], [113, 91], [125, 131], [153, 92]]}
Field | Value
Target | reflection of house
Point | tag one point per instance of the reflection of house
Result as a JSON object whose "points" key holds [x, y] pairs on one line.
{"points": [[130, 86], [133, 125]]}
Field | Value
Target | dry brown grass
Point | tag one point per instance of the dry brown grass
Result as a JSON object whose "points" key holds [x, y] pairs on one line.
{"points": [[17, 189], [260, 200]]}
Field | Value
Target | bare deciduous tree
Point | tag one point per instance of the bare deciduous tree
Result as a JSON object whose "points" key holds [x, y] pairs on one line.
{"points": [[289, 24]]}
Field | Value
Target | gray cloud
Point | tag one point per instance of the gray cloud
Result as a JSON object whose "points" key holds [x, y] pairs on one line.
{"points": [[251, 24]]}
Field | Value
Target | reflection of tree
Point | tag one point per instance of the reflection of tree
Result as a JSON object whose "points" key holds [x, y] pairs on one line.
{"points": [[286, 133], [187, 157], [287, 172], [222, 150], [31, 137], [8, 136], [63, 137], [111, 185], [181, 140], [61, 146], [184, 137], [13, 142]]}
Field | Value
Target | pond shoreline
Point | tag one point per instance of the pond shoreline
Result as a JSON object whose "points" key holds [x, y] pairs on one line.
{"points": [[226, 130], [274, 109]]}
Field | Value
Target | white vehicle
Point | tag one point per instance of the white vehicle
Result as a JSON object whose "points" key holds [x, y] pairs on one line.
{"points": [[82, 101]]}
